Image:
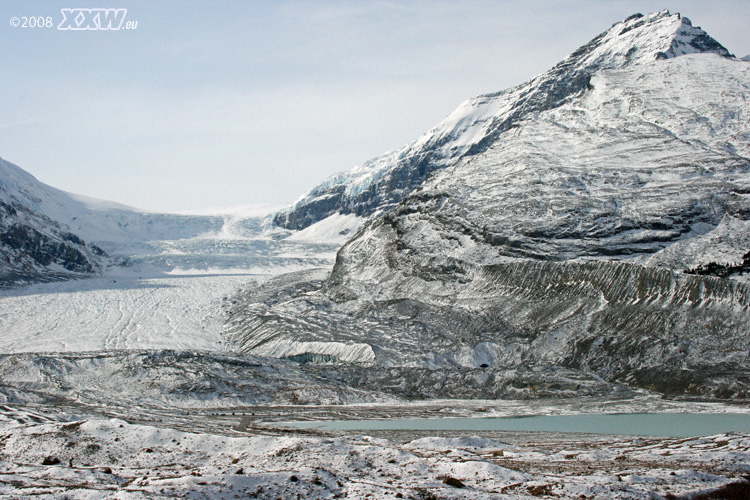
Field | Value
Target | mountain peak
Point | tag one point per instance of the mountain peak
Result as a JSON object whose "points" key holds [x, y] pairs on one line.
{"points": [[478, 123], [639, 39], [644, 38]]}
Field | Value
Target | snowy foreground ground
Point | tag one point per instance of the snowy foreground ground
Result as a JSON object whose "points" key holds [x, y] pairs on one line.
{"points": [[172, 300], [110, 458]]}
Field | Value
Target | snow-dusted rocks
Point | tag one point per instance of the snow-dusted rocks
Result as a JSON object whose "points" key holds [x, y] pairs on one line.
{"points": [[165, 379], [48, 458]]}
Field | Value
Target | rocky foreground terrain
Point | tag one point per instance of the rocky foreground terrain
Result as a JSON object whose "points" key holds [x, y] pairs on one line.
{"points": [[44, 457]]}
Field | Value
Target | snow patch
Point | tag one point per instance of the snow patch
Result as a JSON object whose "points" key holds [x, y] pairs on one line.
{"points": [[337, 228], [349, 352]]}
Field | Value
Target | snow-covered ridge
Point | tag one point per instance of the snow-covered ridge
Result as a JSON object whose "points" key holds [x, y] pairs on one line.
{"points": [[49, 234], [32, 240], [511, 254], [96, 220], [382, 182]]}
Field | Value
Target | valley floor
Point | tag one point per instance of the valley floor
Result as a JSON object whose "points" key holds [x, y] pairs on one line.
{"points": [[75, 423]]}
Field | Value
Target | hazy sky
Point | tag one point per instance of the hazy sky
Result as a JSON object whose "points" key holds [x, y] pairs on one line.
{"points": [[222, 103]]}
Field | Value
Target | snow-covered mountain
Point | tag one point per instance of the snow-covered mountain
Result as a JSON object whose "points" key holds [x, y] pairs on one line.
{"points": [[47, 233], [533, 245], [32, 242], [478, 123], [509, 254]]}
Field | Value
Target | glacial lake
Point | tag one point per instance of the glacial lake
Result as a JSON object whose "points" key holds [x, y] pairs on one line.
{"points": [[635, 424]]}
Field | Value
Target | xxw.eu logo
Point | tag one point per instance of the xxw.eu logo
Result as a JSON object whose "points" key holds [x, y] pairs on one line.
{"points": [[95, 19]]}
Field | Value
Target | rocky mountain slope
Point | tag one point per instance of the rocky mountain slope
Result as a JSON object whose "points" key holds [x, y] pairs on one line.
{"points": [[32, 242], [518, 265], [46, 233], [478, 123]]}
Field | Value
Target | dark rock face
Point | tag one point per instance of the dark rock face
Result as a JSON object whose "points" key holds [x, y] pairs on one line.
{"points": [[44, 250], [723, 270], [700, 41], [31, 243], [327, 201]]}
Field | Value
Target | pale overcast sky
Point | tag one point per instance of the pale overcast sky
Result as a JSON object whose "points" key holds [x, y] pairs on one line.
{"points": [[223, 103]]}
